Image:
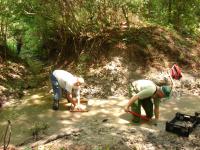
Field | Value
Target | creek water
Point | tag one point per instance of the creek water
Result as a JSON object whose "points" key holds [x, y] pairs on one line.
{"points": [[36, 107]]}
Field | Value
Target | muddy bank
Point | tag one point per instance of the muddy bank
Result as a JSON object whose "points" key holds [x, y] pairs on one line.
{"points": [[106, 125]]}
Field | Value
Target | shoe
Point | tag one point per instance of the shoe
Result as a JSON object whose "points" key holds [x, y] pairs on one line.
{"points": [[55, 105]]}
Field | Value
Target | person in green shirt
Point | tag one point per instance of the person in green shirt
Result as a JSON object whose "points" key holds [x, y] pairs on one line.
{"points": [[148, 95]]}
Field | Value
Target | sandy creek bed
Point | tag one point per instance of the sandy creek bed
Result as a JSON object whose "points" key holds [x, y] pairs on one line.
{"points": [[102, 125]]}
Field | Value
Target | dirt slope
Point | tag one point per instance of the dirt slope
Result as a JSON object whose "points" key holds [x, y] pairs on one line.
{"points": [[139, 53]]}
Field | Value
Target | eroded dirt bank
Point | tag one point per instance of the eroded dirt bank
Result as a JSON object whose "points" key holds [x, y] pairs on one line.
{"points": [[106, 125]]}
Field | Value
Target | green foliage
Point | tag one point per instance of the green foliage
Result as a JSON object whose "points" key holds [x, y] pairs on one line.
{"points": [[27, 148], [182, 15], [35, 65], [47, 26], [31, 43], [84, 58], [38, 128], [82, 62]]}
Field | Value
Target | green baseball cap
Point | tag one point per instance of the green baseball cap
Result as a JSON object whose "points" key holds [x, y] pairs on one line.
{"points": [[166, 90]]}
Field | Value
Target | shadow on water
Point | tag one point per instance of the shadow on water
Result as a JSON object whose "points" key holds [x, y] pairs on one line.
{"points": [[32, 109], [36, 107], [103, 115], [187, 104]]}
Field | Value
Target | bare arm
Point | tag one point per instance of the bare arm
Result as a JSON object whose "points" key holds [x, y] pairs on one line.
{"points": [[71, 99], [131, 101], [156, 109]]}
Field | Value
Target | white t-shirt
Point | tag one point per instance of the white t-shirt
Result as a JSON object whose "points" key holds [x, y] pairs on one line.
{"points": [[65, 79], [145, 88]]}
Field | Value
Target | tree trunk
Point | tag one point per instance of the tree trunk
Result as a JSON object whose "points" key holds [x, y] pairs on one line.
{"points": [[126, 16], [149, 7], [169, 11]]}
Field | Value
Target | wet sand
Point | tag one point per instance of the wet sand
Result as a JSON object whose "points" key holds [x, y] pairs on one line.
{"points": [[36, 107]]}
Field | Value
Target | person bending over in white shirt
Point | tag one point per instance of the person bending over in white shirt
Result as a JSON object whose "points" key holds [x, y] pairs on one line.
{"points": [[62, 79]]}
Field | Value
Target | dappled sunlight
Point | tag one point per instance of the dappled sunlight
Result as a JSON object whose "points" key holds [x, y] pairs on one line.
{"points": [[176, 108], [122, 121], [107, 113], [2, 77], [2, 88], [35, 96], [113, 66], [109, 44], [66, 122], [184, 104], [13, 76], [148, 129]]}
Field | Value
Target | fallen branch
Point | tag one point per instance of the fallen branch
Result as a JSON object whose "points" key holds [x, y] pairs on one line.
{"points": [[61, 135], [7, 136], [27, 141], [50, 139]]}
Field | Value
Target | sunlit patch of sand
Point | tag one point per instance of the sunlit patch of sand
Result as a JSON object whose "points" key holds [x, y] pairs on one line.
{"points": [[36, 107]]}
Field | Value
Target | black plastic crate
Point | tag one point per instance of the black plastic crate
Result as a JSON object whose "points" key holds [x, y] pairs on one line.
{"points": [[183, 124]]}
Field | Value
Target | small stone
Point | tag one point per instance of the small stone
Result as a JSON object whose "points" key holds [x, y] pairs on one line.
{"points": [[105, 120]]}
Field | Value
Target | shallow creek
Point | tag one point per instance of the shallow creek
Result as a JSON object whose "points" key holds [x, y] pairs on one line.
{"points": [[36, 107]]}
